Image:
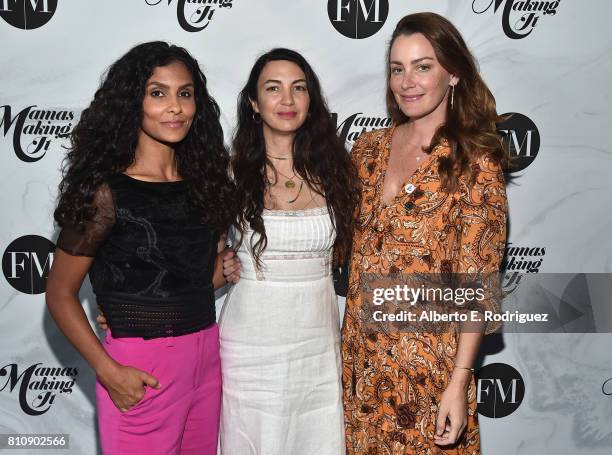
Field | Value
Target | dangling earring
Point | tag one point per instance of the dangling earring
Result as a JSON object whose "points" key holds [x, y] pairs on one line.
{"points": [[452, 95], [256, 117]]}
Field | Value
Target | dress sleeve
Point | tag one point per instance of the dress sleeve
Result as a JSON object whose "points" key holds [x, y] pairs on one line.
{"points": [[85, 241], [482, 233], [359, 145]]}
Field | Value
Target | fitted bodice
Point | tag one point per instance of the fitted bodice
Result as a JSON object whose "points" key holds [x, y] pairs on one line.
{"points": [[299, 247], [153, 258]]}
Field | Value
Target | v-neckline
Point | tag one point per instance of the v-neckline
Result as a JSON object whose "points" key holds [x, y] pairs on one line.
{"points": [[385, 166]]}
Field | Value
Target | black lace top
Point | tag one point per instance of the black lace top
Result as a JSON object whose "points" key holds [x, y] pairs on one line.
{"points": [[153, 259]]}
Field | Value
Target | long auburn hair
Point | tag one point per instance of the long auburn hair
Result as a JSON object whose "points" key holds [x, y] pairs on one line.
{"points": [[104, 141], [319, 157], [470, 127]]}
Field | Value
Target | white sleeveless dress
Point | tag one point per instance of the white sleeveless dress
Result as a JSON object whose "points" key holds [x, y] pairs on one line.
{"points": [[280, 344]]}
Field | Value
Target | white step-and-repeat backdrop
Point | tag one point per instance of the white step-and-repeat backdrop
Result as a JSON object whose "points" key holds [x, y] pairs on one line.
{"points": [[549, 62]]}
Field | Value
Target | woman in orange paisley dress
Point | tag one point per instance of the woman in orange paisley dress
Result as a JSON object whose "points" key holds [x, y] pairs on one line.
{"points": [[433, 201]]}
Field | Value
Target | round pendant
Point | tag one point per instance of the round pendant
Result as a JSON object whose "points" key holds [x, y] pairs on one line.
{"points": [[289, 184]]}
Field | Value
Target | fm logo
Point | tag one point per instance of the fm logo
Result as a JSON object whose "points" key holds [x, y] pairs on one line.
{"points": [[358, 19], [26, 263], [500, 390]]}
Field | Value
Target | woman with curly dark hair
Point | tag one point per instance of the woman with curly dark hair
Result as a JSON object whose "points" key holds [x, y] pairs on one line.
{"points": [[433, 202], [144, 200], [279, 328]]}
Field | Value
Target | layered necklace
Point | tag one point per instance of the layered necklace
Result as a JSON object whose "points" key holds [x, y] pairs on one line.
{"points": [[289, 183]]}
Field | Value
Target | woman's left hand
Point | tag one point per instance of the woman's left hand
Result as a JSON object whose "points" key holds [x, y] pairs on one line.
{"points": [[452, 412], [227, 268]]}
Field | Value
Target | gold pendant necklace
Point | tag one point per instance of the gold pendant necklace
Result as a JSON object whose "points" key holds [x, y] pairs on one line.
{"points": [[289, 183]]}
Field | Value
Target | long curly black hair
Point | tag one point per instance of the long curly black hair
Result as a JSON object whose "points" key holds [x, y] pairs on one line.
{"points": [[319, 158], [104, 140]]}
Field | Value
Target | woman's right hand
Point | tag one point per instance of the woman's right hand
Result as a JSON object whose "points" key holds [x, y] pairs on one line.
{"points": [[126, 385], [231, 266]]}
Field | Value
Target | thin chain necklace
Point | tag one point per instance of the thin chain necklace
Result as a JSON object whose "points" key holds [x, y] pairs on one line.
{"points": [[417, 158], [289, 183], [312, 196], [283, 158], [298, 193]]}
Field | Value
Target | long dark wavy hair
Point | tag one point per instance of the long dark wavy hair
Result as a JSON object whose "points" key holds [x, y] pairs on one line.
{"points": [[104, 140], [319, 158], [470, 126]]}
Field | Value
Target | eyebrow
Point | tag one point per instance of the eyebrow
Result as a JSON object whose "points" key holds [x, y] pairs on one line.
{"points": [[276, 81], [188, 84], [412, 62]]}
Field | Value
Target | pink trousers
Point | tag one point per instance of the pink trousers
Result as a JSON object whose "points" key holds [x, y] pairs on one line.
{"points": [[182, 416]]}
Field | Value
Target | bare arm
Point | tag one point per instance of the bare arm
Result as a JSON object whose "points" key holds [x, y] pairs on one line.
{"points": [[218, 278], [65, 279], [124, 384], [482, 242]]}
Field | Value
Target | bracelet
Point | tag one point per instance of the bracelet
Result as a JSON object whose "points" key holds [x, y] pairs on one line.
{"points": [[465, 368]]}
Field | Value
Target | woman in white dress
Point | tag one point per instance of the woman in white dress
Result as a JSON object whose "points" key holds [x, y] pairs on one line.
{"points": [[279, 327]]}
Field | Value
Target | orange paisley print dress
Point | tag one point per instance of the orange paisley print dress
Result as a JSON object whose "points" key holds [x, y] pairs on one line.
{"points": [[393, 382]]}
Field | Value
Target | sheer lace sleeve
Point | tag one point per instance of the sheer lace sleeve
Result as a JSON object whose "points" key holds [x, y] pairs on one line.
{"points": [[86, 241]]}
